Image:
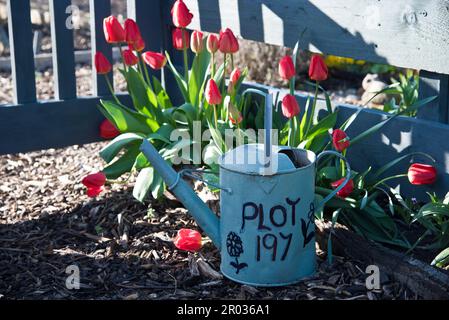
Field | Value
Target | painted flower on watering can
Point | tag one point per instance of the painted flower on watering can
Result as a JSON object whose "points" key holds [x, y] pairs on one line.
{"points": [[196, 42], [318, 69], [340, 140], [108, 130], [180, 39], [212, 93], [188, 240], [130, 58], [213, 43], [181, 15], [228, 43], [347, 189], [138, 46], [113, 30], [287, 68], [102, 64], [422, 174], [290, 106], [94, 184], [155, 60], [132, 31]]}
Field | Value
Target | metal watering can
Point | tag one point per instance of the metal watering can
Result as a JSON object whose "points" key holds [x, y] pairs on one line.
{"points": [[266, 232]]}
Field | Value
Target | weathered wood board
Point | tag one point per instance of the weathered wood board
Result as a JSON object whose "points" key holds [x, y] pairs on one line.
{"points": [[403, 33]]}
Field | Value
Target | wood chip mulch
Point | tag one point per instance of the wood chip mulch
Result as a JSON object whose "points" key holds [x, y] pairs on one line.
{"points": [[123, 248]]}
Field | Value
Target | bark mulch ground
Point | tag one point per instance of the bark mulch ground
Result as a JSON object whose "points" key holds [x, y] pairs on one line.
{"points": [[123, 248]]}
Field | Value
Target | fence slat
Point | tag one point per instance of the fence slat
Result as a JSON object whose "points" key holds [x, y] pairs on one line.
{"points": [[63, 50], [22, 57], [99, 9], [434, 84]]}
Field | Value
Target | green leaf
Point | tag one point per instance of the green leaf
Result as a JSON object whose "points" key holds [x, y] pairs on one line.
{"points": [[122, 165], [179, 79], [200, 66], [115, 146], [323, 126], [371, 131], [162, 96], [188, 114], [139, 93], [143, 183], [127, 120], [442, 259]]}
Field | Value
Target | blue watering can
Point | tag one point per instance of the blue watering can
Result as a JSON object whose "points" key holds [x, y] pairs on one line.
{"points": [[266, 232]]}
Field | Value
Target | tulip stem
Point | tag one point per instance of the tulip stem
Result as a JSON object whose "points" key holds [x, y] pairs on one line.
{"points": [[232, 61], [213, 65], [147, 75], [111, 88], [121, 55], [404, 175], [342, 164], [215, 116], [312, 114]]}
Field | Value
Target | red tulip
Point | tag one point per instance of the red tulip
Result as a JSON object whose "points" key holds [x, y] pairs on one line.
{"points": [[422, 174], [287, 68], [138, 46], [228, 43], [132, 31], [102, 64], [213, 95], [196, 42], [188, 240], [155, 60], [180, 39], [234, 115], [347, 189], [94, 184], [290, 106], [235, 75], [340, 140], [113, 30], [213, 43], [108, 130], [181, 15], [318, 70], [130, 58]]}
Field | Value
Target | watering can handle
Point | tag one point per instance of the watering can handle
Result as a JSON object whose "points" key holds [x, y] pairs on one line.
{"points": [[348, 175]]}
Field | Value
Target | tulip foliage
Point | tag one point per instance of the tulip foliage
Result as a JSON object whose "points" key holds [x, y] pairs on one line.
{"points": [[211, 97]]}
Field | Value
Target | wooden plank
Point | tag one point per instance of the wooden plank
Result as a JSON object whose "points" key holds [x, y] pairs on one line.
{"points": [[434, 84], [21, 44], [404, 33], [99, 9], [53, 124], [63, 51]]}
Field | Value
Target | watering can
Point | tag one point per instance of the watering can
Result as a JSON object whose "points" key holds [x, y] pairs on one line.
{"points": [[266, 230]]}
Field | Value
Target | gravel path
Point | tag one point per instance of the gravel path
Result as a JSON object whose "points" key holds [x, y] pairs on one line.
{"points": [[123, 248]]}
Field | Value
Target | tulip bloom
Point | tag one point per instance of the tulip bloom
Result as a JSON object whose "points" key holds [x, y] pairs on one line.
{"points": [[181, 15], [234, 115], [138, 46], [212, 43], [113, 30], [132, 31], [180, 39], [155, 60], [102, 64], [287, 68], [130, 58], [235, 75], [108, 130], [188, 240], [340, 140], [318, 70], [422, 174], [290, 106], [196, 42], [212, 93], [94, 184], [228, 43], [347, 189]]}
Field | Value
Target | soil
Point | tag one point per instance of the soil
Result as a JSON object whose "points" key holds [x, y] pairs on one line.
{"points": [[124, 248]]}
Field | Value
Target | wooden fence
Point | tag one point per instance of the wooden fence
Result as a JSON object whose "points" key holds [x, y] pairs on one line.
{"points": [[404, 33]]}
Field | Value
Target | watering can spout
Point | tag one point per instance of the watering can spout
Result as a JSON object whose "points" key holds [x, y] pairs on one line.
{"points": [[205, 218]]}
